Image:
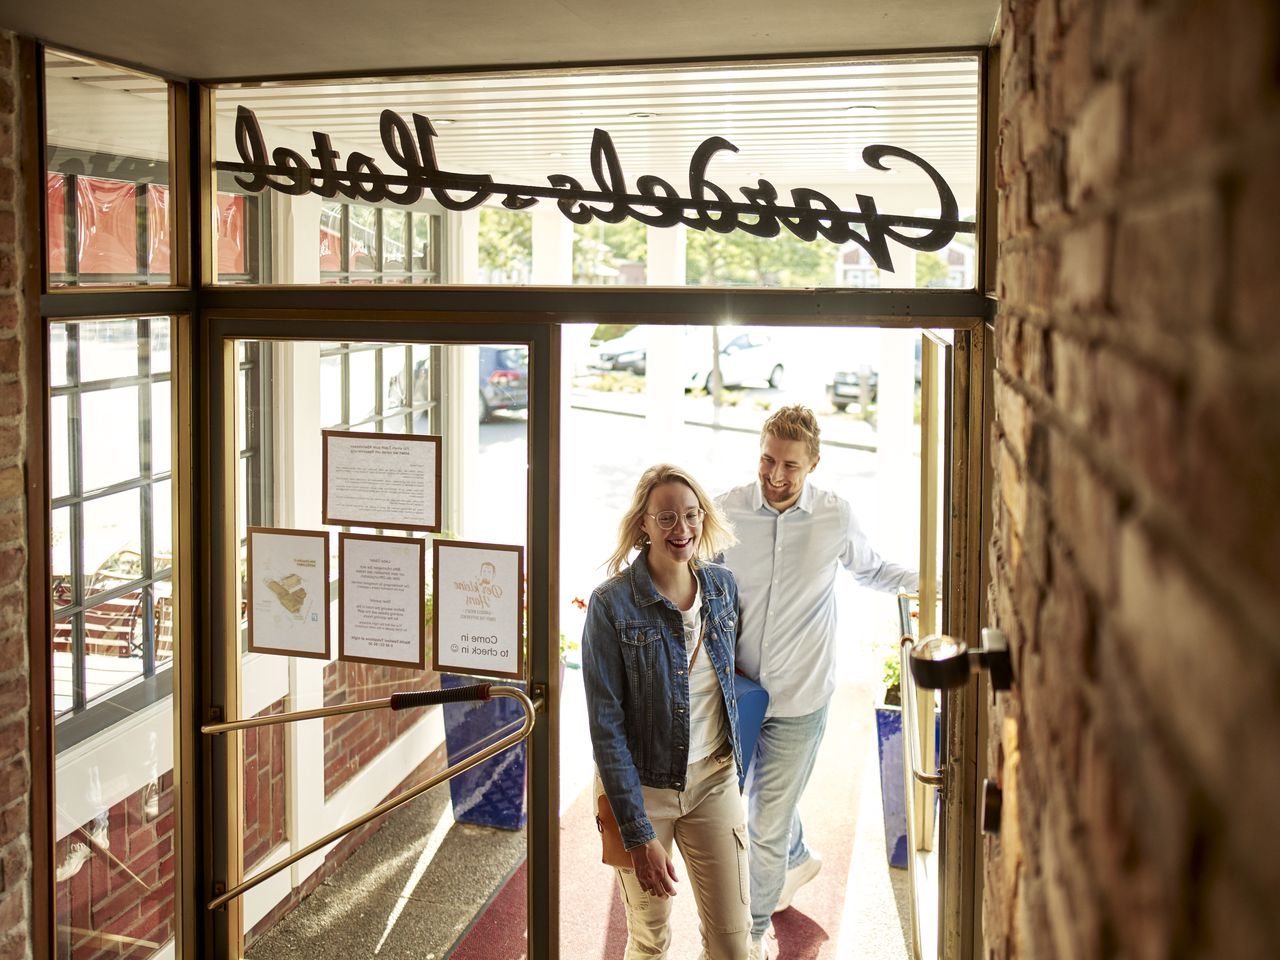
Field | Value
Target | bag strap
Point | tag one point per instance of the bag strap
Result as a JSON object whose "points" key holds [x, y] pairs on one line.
{"points": [[698, 648]]}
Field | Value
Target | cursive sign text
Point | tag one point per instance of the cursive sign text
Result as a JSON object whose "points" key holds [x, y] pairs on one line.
{"points": [[707, 206]]}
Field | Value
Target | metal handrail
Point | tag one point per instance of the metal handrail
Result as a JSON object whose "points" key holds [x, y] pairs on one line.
{"points": [[398, 701], [910, 722]]}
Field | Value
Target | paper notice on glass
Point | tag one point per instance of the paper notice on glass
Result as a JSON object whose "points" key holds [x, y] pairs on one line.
{"points": [[382, 480], [479, 609], [381, 605], [287, 592]]}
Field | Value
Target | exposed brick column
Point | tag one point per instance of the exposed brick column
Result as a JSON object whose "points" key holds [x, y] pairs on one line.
{"points": [[1136, 546], [15, 757]]}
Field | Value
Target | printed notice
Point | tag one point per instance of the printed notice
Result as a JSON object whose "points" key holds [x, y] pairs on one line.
{"points": [[287, 592], [380, 600], [479, 609], [382, 480]]}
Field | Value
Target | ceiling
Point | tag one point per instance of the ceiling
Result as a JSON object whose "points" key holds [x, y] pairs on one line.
{"points": [[252, 38]]}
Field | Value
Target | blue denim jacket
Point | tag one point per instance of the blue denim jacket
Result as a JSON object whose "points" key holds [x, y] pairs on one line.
{"points": [[635, 669]]}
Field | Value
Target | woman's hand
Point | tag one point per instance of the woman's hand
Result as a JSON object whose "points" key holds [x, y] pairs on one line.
{"points": [[655, 872]]}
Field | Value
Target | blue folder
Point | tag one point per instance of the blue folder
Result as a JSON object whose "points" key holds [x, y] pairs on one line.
{"points": [[753, 700]]}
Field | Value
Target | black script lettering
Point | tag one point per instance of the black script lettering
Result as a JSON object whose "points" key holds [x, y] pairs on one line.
{"points": [[727, 222], [833, 226], [362, 169], [572, 207], [253, 150], [403, 150], [480, 183], [874, 242], [668, 214], [764, 199], [329, 185], [607, 169], [949, 213], [293, 166], [516, 202]]}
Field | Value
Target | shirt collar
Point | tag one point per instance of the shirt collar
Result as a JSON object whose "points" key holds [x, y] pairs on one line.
{"points": [[644, 592], [805, 502]]}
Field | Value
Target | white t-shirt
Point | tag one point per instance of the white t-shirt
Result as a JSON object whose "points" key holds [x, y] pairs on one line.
{"points": [[708, 724]]}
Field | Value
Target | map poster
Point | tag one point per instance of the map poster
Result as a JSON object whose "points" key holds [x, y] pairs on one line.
{"points": [[381, 604], [287, 592], [479, 609], [385, 480]]}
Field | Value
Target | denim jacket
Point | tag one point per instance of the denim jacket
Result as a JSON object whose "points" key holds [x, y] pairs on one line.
{"points": [[635, 669]]}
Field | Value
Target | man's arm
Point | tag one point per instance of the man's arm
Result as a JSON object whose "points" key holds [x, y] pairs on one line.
{"points": [[869, 568]]}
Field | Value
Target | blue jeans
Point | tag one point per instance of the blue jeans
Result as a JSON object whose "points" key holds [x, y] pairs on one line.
{"points": [[785, 754]]}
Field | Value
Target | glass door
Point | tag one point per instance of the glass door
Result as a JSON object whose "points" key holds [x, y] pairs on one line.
{"points": [[361, 472]]}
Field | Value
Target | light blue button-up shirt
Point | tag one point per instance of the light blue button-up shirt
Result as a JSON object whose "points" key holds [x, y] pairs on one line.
{"points": [[786, 565]]}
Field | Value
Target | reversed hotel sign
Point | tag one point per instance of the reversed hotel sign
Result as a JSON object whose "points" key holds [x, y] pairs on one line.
{"points": [[655, 202]]}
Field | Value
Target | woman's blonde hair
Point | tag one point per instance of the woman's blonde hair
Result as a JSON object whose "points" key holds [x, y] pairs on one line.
{"points": [[717, 534]]}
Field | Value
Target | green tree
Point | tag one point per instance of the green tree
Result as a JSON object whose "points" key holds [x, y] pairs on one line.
{"points": [[506, 244], [738, 258], [601, 248], [931, 270]]}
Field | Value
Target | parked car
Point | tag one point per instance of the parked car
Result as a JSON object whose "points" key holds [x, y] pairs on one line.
{"points": [[846, 385], [504, 379], [746, 357]]}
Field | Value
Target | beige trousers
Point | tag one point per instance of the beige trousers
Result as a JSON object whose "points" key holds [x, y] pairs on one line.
{"points": [[706, 820]]}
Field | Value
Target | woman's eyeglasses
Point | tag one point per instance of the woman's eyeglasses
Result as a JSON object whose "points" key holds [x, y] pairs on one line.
{"points": [[667, 518]]}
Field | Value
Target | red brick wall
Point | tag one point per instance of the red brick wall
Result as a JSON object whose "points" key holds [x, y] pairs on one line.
{"points": [[265, 824], [352, 741], [1136, 546], [15, 761], [122, 888]]}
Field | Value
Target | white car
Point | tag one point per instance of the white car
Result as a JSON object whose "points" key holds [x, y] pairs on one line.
{"points": [[747, 357]]}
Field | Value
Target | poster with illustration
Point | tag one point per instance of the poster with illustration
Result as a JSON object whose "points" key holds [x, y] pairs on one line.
{"points": [[381, 600], [479, 609], [287, 592], [385, 480]]}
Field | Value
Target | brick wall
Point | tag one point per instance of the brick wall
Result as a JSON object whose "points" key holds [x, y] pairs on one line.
{"points": [[352, 741], [1136, 546], [265, 819], [15, 759]]}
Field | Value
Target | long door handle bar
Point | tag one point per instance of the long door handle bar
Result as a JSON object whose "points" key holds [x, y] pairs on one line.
{"points": [[397, 701], [910, 716]]}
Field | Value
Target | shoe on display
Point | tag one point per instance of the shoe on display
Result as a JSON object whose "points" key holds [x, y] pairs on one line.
{"points": [[797, 878]]}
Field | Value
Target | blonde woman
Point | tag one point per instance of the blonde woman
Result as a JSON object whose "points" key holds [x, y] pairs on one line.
{"points": [[657, 659]]}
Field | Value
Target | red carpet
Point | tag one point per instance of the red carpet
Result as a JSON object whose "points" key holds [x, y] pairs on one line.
{"points": [[592, 921]]}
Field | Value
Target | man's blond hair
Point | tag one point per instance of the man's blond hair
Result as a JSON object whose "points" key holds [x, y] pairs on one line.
{"points": [[794, 422]]}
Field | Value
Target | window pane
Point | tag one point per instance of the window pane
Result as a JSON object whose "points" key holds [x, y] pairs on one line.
{"points": [[362, 392], [232, 237], [109, 437], [108, 349], [58, 354], [158, 231], [162, 526], [242, 421], [421, 373], [161, 424], [330, 390], [423, 248], [394, 391], [394, 223], [160, 361], [60, 557], [364, 239], [108, 135], [112, 539], [58, 440]]}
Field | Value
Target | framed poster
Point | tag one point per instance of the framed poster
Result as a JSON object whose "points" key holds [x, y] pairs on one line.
{"points": [[287, 592], [478, 626], [388, 480], [381, 605]]}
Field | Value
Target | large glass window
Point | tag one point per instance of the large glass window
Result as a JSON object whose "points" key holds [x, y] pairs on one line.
{"points": [[795, 174]]}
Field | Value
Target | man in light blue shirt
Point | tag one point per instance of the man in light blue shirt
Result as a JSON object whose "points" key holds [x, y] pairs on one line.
{"points": [[792, 540]]}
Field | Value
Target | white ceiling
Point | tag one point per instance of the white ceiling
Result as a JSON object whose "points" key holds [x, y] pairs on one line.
{"points": [[253, 38]]}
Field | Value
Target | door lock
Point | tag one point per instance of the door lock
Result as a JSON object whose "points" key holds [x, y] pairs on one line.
{"points": [[941, 662]]}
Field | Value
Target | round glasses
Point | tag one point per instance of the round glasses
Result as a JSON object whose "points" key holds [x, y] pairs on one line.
{"points": [[667, 518]]}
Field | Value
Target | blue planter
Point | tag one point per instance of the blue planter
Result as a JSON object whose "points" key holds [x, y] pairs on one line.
{"points": [[892, 785], [492, 793]]}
